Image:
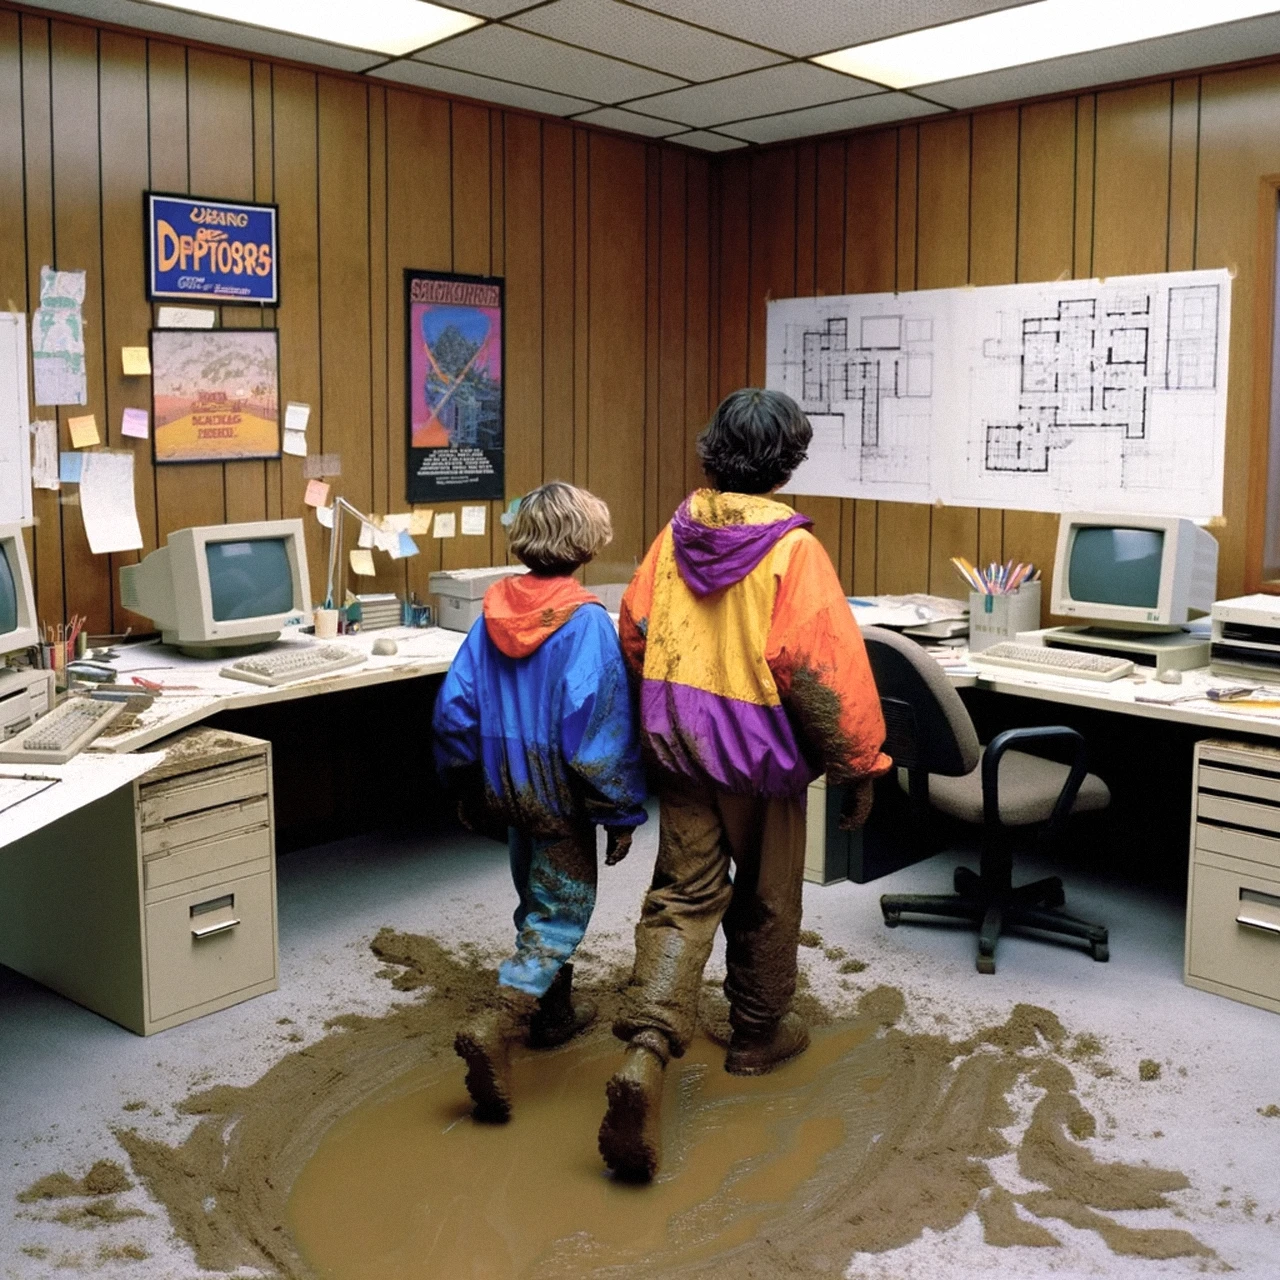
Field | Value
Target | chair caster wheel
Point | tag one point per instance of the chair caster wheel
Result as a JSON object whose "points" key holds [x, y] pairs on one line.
{"points": [[986, 964], [892, 919], [1100, 951]]}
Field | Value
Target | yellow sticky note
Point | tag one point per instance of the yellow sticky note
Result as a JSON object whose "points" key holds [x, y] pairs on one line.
{"points": [[136, 361], [362, 562], [84, 431], [420, 521]]}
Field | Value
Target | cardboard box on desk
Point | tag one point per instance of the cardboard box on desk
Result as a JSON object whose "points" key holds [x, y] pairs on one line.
{"points": [[460, 593]]}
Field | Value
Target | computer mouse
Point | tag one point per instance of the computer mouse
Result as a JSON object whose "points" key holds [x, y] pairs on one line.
{"points": [[1170, 677], [384, 647]]}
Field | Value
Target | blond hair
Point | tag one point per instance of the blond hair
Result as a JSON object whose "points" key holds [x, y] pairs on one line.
{"points": [[558, 527]]}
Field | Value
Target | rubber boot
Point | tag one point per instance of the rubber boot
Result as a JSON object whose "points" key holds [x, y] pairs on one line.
{"points": [[755, 1055], [559, 1017], [631, 1133], [485, 1046]]}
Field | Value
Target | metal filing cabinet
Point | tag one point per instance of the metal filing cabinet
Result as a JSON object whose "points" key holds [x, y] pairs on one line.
{"points": [[157, 904], [1233, 899]]}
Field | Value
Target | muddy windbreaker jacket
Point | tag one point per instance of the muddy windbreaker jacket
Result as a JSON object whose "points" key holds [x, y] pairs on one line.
{"points": [[538, 696], [752, 672]]}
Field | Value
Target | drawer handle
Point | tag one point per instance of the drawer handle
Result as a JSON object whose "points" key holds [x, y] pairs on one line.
{"points": [[218, 908], [1259, 911], [223, 925]]}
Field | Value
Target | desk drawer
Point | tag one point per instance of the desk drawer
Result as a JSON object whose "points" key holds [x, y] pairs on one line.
{"points": [[220, 853], [189, 793], [1233, 843], [205, 825], [1234, 931], [1236, 782], [206, 945], [1239, 813]]}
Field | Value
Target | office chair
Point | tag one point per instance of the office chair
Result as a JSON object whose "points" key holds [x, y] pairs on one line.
{"points": [[941, 764]]}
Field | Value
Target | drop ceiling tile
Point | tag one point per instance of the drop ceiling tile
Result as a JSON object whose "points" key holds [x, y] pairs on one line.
{"points": [[486, 89], [230, 35], [629, 122], [524, 58], [647, 38], [1230, 42], [490, 8], [819, 26], [705, 141], [882, 108], [784, 88]]}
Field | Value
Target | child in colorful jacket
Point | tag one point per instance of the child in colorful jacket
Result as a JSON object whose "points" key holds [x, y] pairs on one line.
{"points": [[534, 727], [753, 680]]}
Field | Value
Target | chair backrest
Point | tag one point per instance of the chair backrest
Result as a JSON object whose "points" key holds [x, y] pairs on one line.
{"points": [[928, 728]]}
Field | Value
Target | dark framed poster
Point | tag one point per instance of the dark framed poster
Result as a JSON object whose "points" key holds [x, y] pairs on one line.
{"points": [[215, 394], [455, 431], [219, 251]]}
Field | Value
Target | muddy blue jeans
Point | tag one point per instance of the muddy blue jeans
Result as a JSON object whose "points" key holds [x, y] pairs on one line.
{"points": [[556, 881]]}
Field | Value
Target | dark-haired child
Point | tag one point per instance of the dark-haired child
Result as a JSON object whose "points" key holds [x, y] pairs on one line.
{"points": [[753, 680]]}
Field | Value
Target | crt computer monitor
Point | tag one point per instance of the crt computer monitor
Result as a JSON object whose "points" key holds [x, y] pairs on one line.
{"points": [[18, 626], [223, 587], [1144, 572]]}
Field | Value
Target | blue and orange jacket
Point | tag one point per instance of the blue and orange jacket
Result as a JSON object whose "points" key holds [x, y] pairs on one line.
{"points": [[538, 697], [752, 671]]}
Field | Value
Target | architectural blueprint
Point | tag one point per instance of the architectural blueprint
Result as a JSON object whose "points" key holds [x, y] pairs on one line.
{"points": [[1080, 394]]}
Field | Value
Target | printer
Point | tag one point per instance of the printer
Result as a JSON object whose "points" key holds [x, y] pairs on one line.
{"points": [[1244, 638]]}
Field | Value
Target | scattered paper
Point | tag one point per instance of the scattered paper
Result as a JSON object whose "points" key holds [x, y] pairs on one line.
{"points": [[296, 416], [136, 361], [446, 525], [44, 456], [317, 495], [107, 502], [134, 423], [57, 339], [407, 547], [362, 562], [325, 516], [473, 520], [69, 467], [420, 521], [295, 443], [397, 521], [84, 431], [386, 540], [366, 535], [185, 318], [322, 466]]}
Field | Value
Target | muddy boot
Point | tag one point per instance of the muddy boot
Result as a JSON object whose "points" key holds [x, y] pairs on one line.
{"points": [[631, 1133], [754, 1055], [559, 1017], [485, 1046]]}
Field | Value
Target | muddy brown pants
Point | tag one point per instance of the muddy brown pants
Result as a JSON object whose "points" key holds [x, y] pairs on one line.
{"points": [[702, 831]]}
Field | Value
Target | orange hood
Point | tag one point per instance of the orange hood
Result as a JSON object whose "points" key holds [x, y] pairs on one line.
{"points": [[520, 612]]}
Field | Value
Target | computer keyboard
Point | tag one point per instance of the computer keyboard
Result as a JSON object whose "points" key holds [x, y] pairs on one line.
{"points": [[1053, 661], [284, 666], [58, 735]]}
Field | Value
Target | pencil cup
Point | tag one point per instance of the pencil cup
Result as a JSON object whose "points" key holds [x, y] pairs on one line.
{"points": [[1002, 617], [54, 658], [326, 621]]}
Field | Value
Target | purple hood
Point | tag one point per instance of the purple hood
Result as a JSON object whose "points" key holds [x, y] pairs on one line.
{"points": [[712, 557]]}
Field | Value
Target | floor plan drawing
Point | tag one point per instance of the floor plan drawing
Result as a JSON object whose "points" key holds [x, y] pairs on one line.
{"points": [[1054, 397]]}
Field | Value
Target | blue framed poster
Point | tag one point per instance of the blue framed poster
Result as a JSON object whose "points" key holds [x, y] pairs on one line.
{"points": [[220, 251]]}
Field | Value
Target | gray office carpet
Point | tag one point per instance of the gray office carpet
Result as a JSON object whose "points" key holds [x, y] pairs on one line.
{"points": [[66, 1074]]}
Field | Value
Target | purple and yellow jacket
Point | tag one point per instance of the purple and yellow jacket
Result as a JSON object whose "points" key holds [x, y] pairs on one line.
{"points": [[753, 675]]}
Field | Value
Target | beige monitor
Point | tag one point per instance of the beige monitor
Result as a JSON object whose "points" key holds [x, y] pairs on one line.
{"points": [[18, 626]]}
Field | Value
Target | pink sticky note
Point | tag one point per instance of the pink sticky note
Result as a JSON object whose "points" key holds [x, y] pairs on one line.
{"points": [[317, 494], [134, 423]]}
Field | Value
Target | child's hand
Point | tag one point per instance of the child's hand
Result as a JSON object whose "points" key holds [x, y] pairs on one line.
{"points": [[617, 844], [856, 809]]}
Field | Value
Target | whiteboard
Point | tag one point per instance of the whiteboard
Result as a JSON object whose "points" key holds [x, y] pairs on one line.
{"points": [[15, 440], [1070, 395]]}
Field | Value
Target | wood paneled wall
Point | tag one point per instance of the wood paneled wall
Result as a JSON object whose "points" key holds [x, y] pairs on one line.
{"points": [[604, 243], [1160, 176]]}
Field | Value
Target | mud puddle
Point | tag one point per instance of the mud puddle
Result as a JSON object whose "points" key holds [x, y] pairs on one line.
{"points": [[408, 1186]]}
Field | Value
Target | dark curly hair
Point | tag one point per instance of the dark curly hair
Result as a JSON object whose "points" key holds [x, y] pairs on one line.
{"points": [[754, 442]]}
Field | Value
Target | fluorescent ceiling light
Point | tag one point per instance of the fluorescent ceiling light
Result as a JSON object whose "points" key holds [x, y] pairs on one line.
{"points": [[394, 27], [1029, 33]]}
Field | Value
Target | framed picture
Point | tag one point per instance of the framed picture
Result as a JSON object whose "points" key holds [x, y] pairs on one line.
{"points": [[455, 433], [215, 394], [202, 250]]}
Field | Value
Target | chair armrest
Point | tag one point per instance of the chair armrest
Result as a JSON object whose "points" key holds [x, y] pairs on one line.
{"points": [[1002, 742]]}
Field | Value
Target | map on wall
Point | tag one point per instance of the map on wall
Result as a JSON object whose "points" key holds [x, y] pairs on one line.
{"points": [[1070, 395]]}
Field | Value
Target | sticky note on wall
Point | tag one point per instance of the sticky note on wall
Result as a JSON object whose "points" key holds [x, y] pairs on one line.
{"points": [[317, 493], [133, 422], [362, 562], [446, 524], [84, 431], [473, 520], [136, 361]]}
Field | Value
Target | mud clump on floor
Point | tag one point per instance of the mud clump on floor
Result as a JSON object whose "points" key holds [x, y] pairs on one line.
{"points": [[907, 1125], [104, 1178], [810, 938], [1148, 1069], [1271, 1111]]}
